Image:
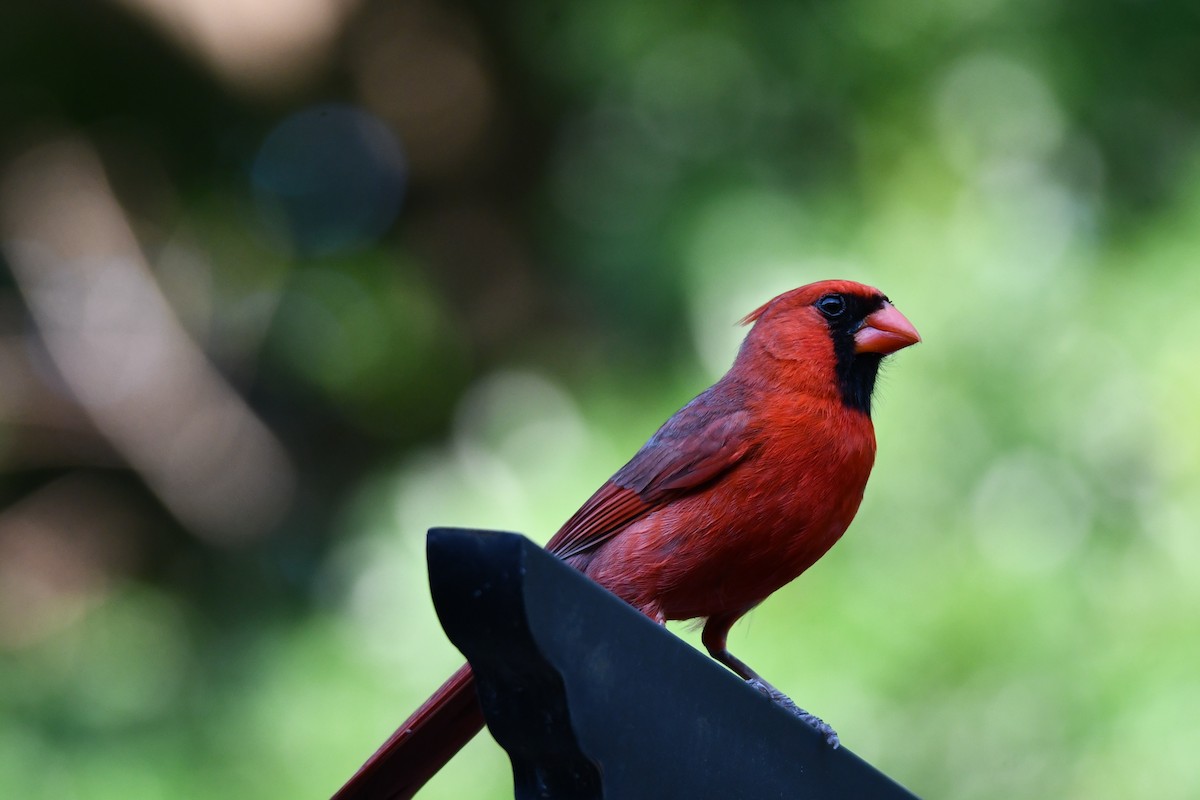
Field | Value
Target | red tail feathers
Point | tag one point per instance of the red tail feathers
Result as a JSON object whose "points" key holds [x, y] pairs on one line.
{"points": [[422, 745]]}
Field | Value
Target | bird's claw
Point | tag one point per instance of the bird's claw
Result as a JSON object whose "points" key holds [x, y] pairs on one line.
{"points": [[812, 720]]}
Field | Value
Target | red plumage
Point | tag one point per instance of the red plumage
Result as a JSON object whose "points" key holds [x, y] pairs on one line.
{"points": [[738, 493]]}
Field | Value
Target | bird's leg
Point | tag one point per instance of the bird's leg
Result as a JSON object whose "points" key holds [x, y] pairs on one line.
{"points": [[716, 630]]}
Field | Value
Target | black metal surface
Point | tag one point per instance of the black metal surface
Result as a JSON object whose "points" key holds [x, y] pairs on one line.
{"points": [[590, 699]]}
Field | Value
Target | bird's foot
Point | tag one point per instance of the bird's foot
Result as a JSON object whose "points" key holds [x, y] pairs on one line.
{"points": [[812, 720]]}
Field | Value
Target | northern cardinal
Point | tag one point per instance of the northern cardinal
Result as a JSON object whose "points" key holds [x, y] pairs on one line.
{"points": [[738, 493]]}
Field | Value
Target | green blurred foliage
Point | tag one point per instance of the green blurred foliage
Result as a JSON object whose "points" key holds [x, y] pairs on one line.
{"points": [[594, 195]]}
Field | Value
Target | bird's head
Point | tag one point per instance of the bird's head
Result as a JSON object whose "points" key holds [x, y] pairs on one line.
{"points": [[829, 336]]}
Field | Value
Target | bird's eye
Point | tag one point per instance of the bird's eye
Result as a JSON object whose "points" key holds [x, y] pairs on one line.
{"points": [[832, 305]]}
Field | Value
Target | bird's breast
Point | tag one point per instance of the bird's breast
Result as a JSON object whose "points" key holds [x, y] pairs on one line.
{"points": [[726, 547]]}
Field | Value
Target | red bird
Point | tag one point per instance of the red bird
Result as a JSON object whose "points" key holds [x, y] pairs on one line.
{"points": [[738, 493]]}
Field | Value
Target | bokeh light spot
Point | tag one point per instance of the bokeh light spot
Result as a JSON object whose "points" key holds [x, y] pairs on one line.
{"points": [[992, 107], [329, 179]]}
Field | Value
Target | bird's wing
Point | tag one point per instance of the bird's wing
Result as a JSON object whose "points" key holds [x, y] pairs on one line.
{"points": [[696, 446]]}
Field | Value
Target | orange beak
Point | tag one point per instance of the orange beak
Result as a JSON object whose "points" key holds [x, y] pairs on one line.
{"points": [[885, 331]]}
